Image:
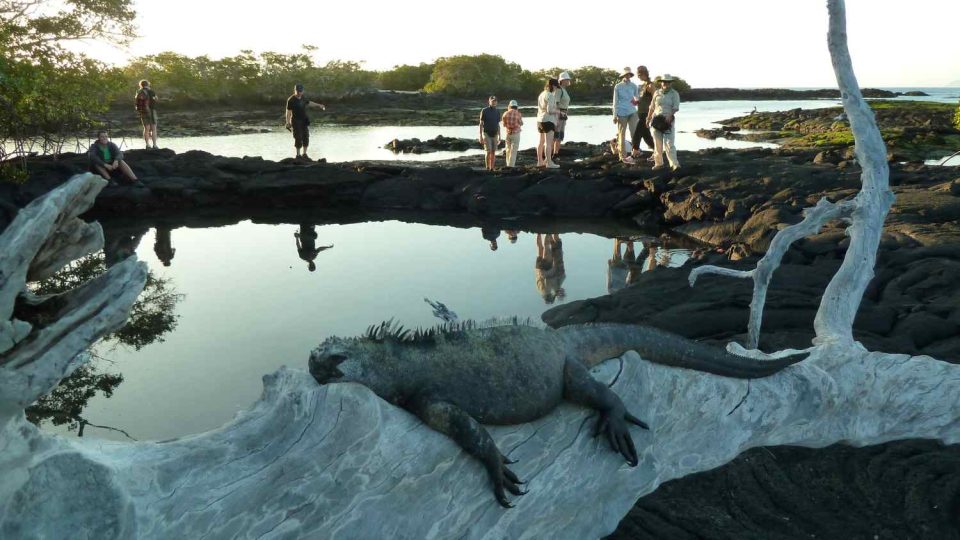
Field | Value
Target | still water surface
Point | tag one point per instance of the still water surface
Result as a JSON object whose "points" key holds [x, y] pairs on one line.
{"points": [[350, 143], [250, 305]]}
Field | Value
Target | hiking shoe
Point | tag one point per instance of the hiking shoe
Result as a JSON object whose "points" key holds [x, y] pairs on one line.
{"points": [[552, 166], [305, 157], [629, 160]]}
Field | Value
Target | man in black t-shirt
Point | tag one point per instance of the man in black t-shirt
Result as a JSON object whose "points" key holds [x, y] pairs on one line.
{"points": [[297, 120], [490, 130]]}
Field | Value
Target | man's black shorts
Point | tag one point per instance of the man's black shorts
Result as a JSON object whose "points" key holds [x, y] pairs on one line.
{"points": [[301, 133], [545, 127]]}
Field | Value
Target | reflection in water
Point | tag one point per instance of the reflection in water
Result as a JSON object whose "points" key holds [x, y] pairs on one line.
{"points": [[512, 235], [307, 244], [163, 247], [491, 233], [548, 269], [151, 317], [118, 244]]}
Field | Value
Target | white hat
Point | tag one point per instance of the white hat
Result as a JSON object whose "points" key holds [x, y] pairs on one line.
{"points": [[565, 76], [667, 77], [513, 103], [626, 73]]}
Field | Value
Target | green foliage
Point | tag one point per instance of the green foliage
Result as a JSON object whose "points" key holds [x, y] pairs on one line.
{"points": [[47, 92], [35, 29], [152, 316], [956, 117], [13, 172], [406, 77], [246, 78], [473, 76], [594, 82], [65, 403]]}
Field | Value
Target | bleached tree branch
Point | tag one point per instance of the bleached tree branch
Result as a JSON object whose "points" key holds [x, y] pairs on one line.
{"points": [[866, 213], [814, 219]]}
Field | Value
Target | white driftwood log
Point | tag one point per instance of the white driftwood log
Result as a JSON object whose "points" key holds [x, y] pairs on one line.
{"points": [[338, 462]]}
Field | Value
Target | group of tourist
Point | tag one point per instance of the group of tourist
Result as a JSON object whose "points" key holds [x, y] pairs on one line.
{"points": [[656, 101], [659, 103]]}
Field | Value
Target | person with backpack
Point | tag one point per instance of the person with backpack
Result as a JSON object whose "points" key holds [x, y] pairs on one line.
{"points": [[146, 101], [490, 131]]}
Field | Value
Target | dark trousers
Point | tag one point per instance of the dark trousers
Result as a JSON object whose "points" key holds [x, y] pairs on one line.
{"points": [[642, 132], [301, 133]]}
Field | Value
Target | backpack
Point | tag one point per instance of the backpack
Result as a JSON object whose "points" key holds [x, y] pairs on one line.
{"points": [[146, 99]]}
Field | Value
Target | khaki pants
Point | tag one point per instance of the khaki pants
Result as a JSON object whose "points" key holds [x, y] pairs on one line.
{"points": [[665, 142], [623, 124], [513, 147]]}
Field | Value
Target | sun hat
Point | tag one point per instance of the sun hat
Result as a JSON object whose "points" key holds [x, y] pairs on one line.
{"points": [[626, 73], [565, 76], [667, 77], [513, 103]]}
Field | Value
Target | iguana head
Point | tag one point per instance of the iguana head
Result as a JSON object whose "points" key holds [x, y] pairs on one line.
{"points": [[336, 360]]}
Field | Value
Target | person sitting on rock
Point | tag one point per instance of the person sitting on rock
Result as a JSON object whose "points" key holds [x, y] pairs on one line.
{"points": [[106, 157]]}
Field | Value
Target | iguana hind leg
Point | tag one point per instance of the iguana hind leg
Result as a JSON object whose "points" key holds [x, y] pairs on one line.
{"points": [[580, 387], [472, 437]]}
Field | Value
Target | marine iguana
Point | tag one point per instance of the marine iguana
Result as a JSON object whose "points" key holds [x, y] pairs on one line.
{"points": [[456, 377]]}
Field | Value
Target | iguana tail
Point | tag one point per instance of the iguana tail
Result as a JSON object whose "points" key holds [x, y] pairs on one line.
{"points": [[594, 343]]}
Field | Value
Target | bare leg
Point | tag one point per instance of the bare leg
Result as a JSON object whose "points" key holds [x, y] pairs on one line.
{"points": [[102, 172], [548, 145], [126, 170], [540, 149], [474, 439], [579, 387], [153, 134]]}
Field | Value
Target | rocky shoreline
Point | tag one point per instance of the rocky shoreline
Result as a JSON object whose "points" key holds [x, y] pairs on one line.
{"points": [[387, 108], [913, 131], [734, 200]]}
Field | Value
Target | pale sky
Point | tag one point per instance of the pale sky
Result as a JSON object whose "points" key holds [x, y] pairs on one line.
{"points": [[710, 43]]}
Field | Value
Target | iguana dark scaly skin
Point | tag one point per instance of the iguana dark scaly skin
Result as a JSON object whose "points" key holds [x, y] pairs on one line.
{"points": [[455, 379]]}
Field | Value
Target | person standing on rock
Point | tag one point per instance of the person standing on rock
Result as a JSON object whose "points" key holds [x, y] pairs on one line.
{"points": [[490, 130], [661, 117], [646, 90], [625, 113], [547, 123], [512, 122], [297, 120], [563, 103], [146, 101]]}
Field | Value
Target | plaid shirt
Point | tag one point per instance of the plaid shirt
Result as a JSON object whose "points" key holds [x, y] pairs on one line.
{"points": [[512, 120]]}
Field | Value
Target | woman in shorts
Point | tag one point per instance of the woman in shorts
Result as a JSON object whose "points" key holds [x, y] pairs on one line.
{"points": [[547, 123]]}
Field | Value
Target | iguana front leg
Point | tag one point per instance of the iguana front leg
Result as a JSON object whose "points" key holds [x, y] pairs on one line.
{"points": [[580, 387], [472, 437]]}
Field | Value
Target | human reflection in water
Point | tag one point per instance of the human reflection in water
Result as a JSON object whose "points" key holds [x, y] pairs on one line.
{"points": [[307, 244], [512, 235], [162, 246], [490, 234], [618, 267], [118, 244], [549, 270]]}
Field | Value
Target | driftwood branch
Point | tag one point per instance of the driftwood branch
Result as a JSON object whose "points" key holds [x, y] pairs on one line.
{"points": [[814, 219], [866, 213]]}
